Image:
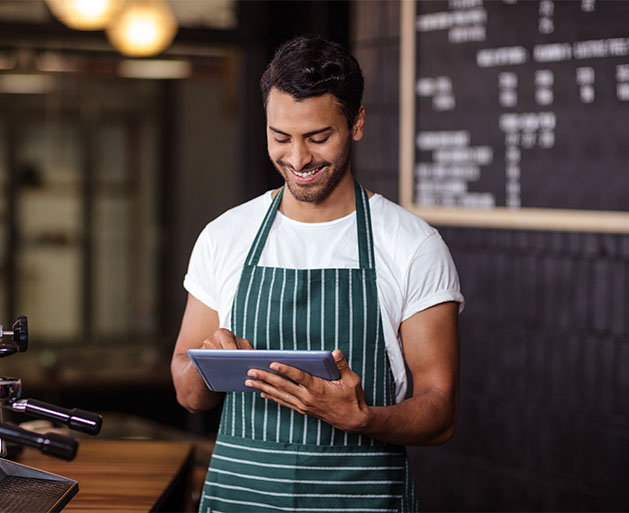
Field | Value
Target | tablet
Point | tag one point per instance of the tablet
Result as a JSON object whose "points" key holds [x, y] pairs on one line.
{"points": [[225, 370]]}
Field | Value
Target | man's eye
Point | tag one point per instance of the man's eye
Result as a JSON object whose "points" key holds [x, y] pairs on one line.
{"points": [[282, 141], [320, 141]]}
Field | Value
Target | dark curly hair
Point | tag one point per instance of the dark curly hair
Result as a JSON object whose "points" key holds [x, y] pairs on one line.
{"points": [[308, 66]]}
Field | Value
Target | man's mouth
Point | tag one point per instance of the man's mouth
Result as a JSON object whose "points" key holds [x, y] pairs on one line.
{"points": [[309, 174], [306, 174]]}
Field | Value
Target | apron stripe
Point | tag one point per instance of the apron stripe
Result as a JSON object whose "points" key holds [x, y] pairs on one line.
{"points": [[322, 339], [277, 429], [279, 508], [345, 454], [308, 347], [233, 404], [308, 330], [375, 365], [302, 481], [281, 320], [295, 312], [303, 467], [350, 337], [254, 342], [322, 309], [268, 337], [318, 495], [336, 310], [268, 310], [242, 413], [294, 336]]}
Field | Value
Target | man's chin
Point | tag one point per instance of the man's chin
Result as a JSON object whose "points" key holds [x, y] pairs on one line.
{"points": [[306, 192]]}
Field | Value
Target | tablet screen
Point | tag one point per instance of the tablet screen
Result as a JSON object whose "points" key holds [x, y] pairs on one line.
{"points": [[225, 370]]}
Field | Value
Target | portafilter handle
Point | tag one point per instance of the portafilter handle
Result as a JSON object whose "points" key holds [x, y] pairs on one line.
{"points": [[52, 444], [79, 420]]}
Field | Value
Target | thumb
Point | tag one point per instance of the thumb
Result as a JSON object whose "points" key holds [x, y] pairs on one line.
{"points": [[341, 362], [243, 343]]}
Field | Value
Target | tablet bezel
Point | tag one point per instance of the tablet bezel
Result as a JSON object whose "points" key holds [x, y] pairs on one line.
{"points": [[225, 370]]}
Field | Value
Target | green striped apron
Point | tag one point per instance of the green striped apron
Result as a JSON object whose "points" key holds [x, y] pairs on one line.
{"points": [[270, 458]]}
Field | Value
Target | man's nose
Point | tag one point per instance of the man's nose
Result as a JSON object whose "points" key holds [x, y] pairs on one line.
{"points": [[299, 157]]}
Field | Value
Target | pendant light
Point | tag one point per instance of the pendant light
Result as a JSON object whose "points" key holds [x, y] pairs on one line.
{"points": [[143, 28], [85, 14]]}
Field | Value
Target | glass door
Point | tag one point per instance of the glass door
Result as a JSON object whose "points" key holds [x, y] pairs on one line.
{"points": [[49, 227], [124, 229], [79, 174]]}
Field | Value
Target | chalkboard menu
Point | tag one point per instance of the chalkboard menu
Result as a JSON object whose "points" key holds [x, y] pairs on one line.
{"points": [[520, 113]]}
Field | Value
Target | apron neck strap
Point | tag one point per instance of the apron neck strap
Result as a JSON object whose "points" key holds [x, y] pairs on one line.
{"points": [[258, 243], [363, 222]]}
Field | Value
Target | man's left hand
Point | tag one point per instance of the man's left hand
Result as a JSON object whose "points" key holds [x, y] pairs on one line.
{"points": [[340, 403]]}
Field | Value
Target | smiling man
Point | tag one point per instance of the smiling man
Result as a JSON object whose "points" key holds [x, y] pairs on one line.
{"points": [[321, 263]]}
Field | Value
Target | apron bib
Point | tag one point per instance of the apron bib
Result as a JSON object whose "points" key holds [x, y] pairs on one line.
{"points": [[270, 458]]}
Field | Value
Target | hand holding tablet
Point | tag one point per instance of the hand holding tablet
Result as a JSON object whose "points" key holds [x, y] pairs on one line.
{"points": [[225, 370]]}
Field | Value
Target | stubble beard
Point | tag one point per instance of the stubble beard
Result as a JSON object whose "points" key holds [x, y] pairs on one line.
{"points": [[317, 192]]}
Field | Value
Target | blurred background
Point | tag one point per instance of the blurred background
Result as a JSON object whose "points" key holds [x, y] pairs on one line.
{"points": [[114, 155]]}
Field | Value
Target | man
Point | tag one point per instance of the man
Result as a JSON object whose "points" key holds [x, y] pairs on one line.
{"points": [[321, 264]]}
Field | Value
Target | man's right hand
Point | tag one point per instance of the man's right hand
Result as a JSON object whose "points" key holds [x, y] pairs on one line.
{"points": [[225, 339], [199, 329]]}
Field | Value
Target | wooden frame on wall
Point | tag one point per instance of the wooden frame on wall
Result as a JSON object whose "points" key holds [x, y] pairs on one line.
{"points": [[496, 217]]}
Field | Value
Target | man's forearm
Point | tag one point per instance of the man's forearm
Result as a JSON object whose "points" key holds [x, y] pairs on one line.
{"points": [[426, 419], [192, 393]]}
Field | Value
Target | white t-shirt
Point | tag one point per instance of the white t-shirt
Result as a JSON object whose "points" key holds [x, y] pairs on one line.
{"points": [[414, 269]]}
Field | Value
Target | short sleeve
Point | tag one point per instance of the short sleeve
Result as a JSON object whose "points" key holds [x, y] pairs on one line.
{"points": [[431, 277], [199, 280]]}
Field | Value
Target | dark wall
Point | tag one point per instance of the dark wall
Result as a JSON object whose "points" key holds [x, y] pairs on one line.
{"points": [[544, 419]]}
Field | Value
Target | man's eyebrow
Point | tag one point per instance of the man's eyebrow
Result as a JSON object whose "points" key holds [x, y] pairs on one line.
{"points": [[307, 134]]}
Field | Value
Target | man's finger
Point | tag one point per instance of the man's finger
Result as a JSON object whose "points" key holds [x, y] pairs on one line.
{"points": [[277, 382], [225, 339], [279, 401], [297, 375], [341, 362], [243, 343], [275, 393]]}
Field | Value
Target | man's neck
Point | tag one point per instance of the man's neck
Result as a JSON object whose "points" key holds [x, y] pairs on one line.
{"points": [[339, 203]]}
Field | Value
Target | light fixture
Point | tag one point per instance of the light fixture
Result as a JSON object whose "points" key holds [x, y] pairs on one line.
{"points": [[154, 69], [143, 28], [85, 14]]}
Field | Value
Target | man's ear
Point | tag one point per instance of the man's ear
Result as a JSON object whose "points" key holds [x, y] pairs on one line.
{"points": [[359, 124]]}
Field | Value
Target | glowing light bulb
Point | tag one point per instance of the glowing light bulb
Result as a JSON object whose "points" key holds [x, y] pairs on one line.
{"points": [[143, 28], [85, 14]]}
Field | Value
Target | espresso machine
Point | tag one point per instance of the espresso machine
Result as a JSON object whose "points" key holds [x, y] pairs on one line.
{"points": [[22, 488]]}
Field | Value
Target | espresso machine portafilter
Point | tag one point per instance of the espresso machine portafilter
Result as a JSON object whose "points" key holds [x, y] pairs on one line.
{"points": [[14, 341]]}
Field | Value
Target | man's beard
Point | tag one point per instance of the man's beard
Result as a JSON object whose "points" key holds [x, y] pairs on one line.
{"points": [[317, 192]]}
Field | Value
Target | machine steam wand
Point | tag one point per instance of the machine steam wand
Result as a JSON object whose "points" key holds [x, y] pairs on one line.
{"points": [[10, 392]]}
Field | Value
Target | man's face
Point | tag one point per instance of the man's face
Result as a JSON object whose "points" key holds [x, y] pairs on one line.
{"points": [[309, 143]]}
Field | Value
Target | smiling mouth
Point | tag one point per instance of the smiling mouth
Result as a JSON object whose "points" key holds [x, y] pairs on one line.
{"points": [[309, 173]]}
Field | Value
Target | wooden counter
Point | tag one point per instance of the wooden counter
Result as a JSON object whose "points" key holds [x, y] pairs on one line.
{"points": [[123, 475]]}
